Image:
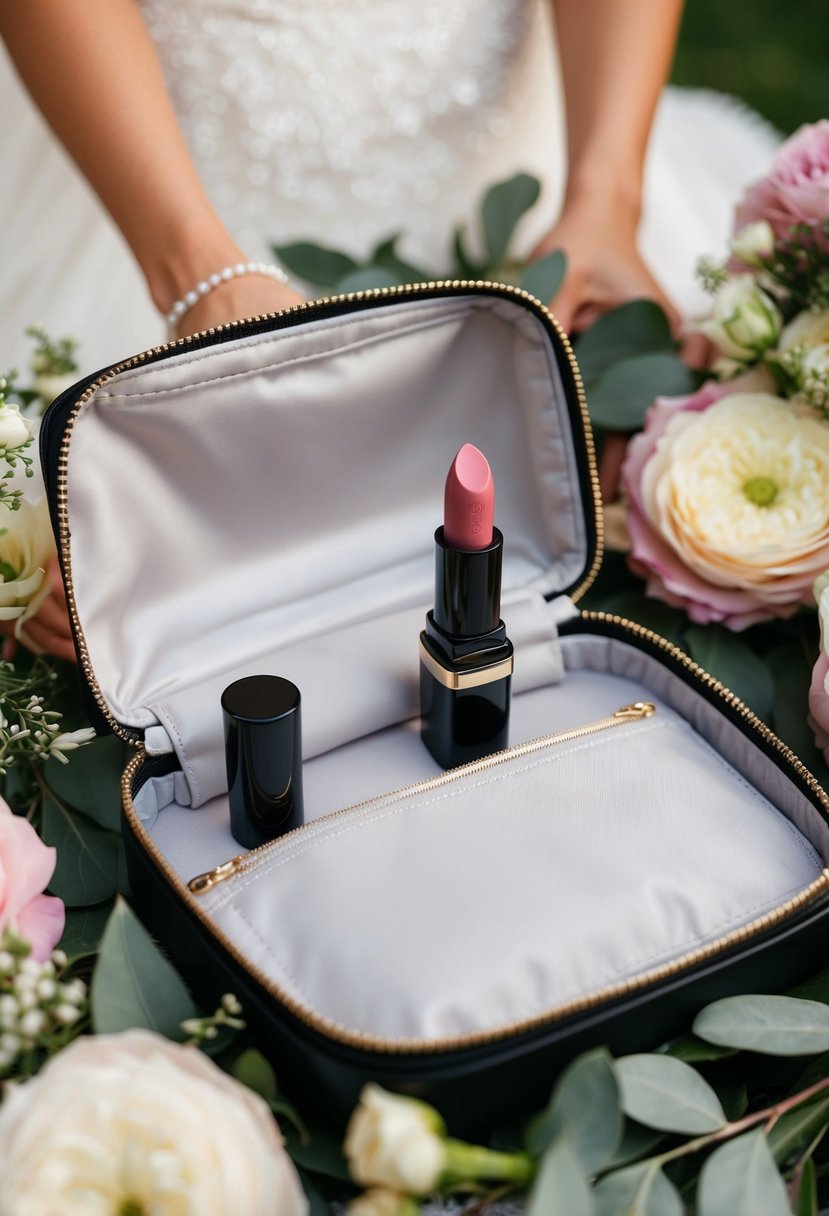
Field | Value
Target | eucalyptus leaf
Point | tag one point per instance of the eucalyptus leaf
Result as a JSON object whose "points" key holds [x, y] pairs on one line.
{"points": [[639, 327], [84, 929], [734, 663], [133, 984], [87, 856], [314, 263], [91, 781], [365, 278], [696, 1051], [502, 208], [319, 1152], [544, 277], [807, 1191], [624, 393], [560, 1184], [772, 1025], [796, 1128], [668, 1094], [741, 1179], [640, 1190], [584, 1106], [637, 1142], [254, 1071], [465, 264], [386, 255]]}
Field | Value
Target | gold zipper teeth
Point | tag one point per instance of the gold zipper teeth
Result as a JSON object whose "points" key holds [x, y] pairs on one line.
{"points": [[178, 344], [244, 862]]}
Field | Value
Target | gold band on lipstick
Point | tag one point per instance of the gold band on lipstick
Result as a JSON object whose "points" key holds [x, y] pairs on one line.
{"points": [[457, 680]]}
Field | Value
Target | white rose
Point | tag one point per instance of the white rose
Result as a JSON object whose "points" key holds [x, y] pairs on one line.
{"points": [[745, 321], [49, 385], [381, 1202], [27, 544], [133, 1122], [14, 428], [395, 1142], [753, 243]]}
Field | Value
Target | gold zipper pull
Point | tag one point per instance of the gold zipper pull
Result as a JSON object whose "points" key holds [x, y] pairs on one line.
{"points": [[203, 882], [639, 709]]}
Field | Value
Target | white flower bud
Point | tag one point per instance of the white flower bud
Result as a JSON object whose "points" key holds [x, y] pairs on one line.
{"points": [[26, 997], [46, 989], [6, 959], [14, 429], [10, 1043], [32, 1023], [231, 1004], [753, 243], [66, 1014], [9, 1011], [395, 1142], [59, 959], [745, 321], [73, 991]]}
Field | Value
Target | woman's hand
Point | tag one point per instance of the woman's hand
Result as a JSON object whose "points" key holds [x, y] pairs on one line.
{"points": [[604, 267]]}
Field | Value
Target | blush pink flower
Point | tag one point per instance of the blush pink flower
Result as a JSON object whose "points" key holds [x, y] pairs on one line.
{"points": [[797, 189], [26, 865], [729, 503]]}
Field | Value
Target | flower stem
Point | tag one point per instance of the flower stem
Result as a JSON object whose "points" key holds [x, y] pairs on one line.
{"points": [[468, 1162], [768, 1116]]}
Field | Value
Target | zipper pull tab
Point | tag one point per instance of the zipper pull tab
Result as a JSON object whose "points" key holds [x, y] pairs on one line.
{"points": [[639, 709], [203, 882]]}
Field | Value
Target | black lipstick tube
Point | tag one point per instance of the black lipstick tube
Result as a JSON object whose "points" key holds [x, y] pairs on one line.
{"points": [[466, 658]]}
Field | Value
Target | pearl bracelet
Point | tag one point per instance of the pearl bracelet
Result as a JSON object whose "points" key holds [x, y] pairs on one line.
{"points": [[267, 270]]}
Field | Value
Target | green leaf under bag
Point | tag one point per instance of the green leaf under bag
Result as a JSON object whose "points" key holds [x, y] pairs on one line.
{"points": [[741, 1179], [773, 1025], [666, 1093]]}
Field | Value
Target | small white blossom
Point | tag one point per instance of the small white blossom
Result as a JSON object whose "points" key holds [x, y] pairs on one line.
{"points": [[32, 1023], [66, 1014], [74, 991], [46, 989]]}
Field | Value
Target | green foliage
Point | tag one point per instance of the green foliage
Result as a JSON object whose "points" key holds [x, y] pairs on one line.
{"points": [[503, 206], [560, 1185], [544, 277], [585, 1107], [639, 1190], [729, 658], [87, 856], [741, 1179], [133, 984], [665, 1093], [777, 1025]]}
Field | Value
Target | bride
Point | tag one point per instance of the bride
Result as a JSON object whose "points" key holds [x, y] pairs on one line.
{"points": [[209, 129]]}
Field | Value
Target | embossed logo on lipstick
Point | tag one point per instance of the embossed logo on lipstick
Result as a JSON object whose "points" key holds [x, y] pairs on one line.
{"points": [[469, 501]]}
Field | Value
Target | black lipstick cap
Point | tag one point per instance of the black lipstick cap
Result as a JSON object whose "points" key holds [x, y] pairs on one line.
{"points": [[263, 750]]}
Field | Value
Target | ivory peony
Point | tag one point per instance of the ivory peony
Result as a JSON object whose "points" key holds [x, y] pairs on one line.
{"points": [[135, 1123], [797, 189], [26, 865], [729, 504]]}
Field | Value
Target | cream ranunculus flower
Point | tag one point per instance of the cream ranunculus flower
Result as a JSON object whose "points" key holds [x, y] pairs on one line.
{"points": [[27, 544], [135, 1123], [740, 493], [395, 1142], [15, 430], [807, 330], [745, 320]]}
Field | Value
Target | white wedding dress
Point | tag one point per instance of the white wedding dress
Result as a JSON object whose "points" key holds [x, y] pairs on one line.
{"points": [[344, 121]]}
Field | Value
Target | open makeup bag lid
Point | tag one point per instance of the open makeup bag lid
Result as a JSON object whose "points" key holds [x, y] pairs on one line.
{"points": [[264, 497]]}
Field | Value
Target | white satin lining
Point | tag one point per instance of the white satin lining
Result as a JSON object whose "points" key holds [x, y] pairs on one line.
{"points": [[229, 504], [627, 850]]}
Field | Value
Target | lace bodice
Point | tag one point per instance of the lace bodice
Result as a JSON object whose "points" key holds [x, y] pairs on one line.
{"points": [[348, 120]]}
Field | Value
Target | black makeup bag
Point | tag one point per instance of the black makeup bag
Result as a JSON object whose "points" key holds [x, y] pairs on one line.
{"points": [[262, 498]]}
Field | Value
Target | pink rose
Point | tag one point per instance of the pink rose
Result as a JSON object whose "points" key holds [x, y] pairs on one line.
{"points": [[690, 512], [26, 865], [819, 704], [797, 189]]}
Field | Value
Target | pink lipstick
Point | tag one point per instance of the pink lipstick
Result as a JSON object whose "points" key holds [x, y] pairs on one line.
{"points": [[466, 657]]}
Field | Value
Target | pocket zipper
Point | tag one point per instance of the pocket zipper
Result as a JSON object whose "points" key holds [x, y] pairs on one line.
{"points": [[237, 865]]}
